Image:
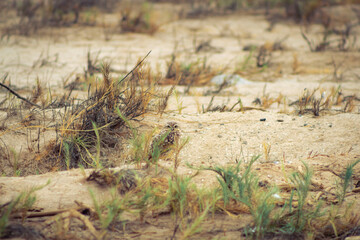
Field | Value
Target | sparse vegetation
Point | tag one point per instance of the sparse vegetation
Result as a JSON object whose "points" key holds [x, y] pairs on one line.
{"points": [[196, 73], [19, 206], [231, 93], [140, 21], [309, 103]]}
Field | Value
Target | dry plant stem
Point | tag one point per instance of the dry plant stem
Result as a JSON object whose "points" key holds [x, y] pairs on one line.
{"points": [[310, 43], [336, 75], [18, 96], [106, 93], [137, 65], [221, 87], [210, 104], [49, 213], [67, 215], [163, 105]]}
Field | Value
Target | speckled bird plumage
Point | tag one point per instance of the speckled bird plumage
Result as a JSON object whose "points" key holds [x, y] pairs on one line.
{"points": [[166, 139]]}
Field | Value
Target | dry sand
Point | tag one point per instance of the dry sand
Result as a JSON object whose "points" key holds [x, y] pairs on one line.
{"points": [[326, 143]]}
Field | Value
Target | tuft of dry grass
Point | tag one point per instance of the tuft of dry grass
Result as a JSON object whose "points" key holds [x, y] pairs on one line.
{"points": [[309, 103], [86, 129], [138, 20], [193, 73], [33, 15], [95, 122]]}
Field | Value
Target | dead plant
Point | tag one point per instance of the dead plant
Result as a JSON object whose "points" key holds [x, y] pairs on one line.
{"points": [[264, 56], [226, 108], [93, 64], [34, 15], [337, 74], [95, 122], [139, 21], [265, 101], [341, 40], [317, 47], [309, 103], [305, 99], [196, 73]]}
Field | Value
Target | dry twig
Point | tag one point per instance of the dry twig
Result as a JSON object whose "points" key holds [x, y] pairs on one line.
{"points": [[18, 96]]}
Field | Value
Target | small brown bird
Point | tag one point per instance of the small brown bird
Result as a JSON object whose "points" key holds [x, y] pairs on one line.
{"points": [[165, 141]]}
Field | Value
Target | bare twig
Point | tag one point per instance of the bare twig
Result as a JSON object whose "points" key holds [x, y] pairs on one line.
{"points": [[337, 66], [310, 43], [18, 96], [48, 213], [137, 65]]}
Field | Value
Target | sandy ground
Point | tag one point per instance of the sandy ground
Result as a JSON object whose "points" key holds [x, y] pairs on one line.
{"points": [[326, 143]]}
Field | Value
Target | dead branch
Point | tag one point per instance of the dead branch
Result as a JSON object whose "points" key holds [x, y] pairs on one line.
{"points": [[48, 213], [66, 216], [18, 96]]}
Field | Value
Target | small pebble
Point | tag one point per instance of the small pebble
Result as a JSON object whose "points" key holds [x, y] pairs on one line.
{"points": [[219, 136], [262, 119], [276, 196], [280, 120]]}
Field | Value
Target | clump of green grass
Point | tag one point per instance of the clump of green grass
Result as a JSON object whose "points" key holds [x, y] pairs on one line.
{"points": [[194, 226], [294, 221], [187, 204], [140, 144], [178, 195], [109, 212], [241, 185], [346, 180]]}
